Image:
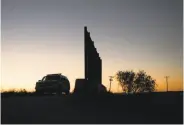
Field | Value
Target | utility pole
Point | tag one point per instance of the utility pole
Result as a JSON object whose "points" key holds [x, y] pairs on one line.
{"points": [[110, 79], [167, 81]]}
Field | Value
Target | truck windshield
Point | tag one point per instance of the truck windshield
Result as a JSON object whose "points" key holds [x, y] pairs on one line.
{"points": [[53, 77]]}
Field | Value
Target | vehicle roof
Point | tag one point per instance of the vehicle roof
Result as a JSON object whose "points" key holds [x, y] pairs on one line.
{"points": [[53, 74], [57, 74]]}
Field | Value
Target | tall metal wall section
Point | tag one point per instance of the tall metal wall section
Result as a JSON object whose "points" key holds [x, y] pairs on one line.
{"points": [[93, 63]]}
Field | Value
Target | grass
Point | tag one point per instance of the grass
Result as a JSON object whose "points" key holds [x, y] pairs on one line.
{"points": [[15, 92], [24, 92]]}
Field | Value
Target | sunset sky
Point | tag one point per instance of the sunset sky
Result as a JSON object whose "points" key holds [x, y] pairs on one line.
{"points": [[47, 36]]}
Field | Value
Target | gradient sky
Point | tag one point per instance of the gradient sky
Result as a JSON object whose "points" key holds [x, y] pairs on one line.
{"points": [[47, 36]]}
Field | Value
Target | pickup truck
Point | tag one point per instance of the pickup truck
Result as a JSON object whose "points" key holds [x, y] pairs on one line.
{"points": [[53, 83]]}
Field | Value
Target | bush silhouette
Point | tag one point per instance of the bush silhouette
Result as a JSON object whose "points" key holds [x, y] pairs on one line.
{"points": [[132, 82]]}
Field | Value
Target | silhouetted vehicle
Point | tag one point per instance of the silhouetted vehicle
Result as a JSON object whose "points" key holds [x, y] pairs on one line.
{"points": [[53, 83]]}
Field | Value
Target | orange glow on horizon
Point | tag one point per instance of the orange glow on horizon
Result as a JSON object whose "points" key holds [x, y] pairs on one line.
{"points": [[161, 86]]}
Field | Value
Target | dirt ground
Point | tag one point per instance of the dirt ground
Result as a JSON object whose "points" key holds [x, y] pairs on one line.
{"points": [[155, 108]]}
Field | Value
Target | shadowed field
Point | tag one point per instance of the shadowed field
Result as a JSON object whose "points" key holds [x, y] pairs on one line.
{"points": [[140, 108]]}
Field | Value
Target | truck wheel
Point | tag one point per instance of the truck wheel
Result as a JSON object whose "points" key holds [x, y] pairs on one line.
{"points": [[67, 92], [59, 90], [39, 93]]}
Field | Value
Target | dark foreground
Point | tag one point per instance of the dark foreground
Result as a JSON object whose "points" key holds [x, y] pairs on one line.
{"points": [[144, 108]]}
